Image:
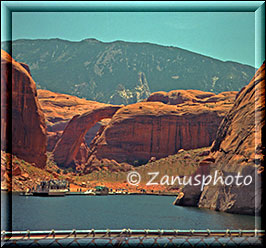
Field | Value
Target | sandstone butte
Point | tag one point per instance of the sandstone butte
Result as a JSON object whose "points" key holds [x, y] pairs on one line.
{"points": [[153, 128], [237, 148], [59, 110], [23, 131]]}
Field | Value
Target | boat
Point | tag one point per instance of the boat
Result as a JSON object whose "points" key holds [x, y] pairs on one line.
{"points": [[121, 192], [52, 188], [89, 192], [111, 192], [26, 193], [101, 190]]}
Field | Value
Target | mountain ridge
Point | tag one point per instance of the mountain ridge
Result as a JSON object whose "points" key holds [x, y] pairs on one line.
{"points": [[121, 72], [134, 42]]}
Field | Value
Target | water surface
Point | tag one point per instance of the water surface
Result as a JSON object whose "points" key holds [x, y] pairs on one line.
{"points": [[117, 212]]}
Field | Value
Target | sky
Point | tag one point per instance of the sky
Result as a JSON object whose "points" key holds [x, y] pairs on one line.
{"points": [[222, 35]]}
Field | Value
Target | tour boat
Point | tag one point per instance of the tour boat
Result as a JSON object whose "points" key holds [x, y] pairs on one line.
{"points": [[52, 188], [101, 190]]}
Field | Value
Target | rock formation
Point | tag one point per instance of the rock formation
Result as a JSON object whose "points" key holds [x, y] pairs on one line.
{"points": [[59, 110], [175, 97], [135, 93], [22, 120], [69, 143], [148, 129], [238, 149], [190, 194]]}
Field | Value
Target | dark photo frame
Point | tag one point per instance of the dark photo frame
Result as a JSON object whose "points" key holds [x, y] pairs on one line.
{"points": [[123, 237]]}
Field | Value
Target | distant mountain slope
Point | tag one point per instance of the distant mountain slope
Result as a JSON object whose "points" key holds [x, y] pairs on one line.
{"points": [[124, 72]]}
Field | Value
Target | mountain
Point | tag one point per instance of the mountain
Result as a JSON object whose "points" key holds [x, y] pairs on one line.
{"points": [[124, 72]]}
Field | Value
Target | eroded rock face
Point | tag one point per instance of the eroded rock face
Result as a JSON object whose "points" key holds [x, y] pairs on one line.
{"points": [[28, 126], [190, 194], [143, 130], [69, 143], [81, 156], [175, 97], [59, 110], [238, 148]]}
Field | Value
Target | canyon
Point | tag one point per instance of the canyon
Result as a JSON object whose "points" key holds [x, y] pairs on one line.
{"points": [[148, 129], [94, 138]]}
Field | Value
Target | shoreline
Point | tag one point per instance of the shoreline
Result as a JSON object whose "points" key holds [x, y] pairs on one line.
{"points": [[73, 193]]}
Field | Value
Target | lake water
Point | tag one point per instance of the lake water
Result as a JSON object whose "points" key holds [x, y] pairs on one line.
{"points": [[115, 212]]}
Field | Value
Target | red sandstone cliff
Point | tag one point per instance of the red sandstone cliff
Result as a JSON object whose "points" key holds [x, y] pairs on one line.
{"points": [[22, 120], [140, 131], [59, 110], [237, 148], [69, 143], [175, 97], [143, 130]]}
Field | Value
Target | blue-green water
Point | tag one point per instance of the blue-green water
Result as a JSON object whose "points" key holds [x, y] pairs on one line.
{"points": [[115, 212]]}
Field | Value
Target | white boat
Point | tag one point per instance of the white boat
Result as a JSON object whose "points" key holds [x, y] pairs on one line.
{"points": [[121, 192], [89, 192]]}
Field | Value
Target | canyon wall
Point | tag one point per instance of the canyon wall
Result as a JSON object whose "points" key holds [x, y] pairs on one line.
{"points": [[148, 129], [176, 97], [23, 128], [238, 148]]}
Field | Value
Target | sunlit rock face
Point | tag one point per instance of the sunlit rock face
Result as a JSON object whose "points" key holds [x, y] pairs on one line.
{"points": [[152, 128], [59, 109], [68, 145], [22, 119], [238, 148]]}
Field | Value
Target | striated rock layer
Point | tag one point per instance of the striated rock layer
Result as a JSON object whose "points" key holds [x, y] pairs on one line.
{"points": [[237, 149], [26, 124], [143, 130]]}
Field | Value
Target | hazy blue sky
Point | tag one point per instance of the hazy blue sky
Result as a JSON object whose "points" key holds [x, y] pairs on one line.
{"points": [[223, 35]]}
